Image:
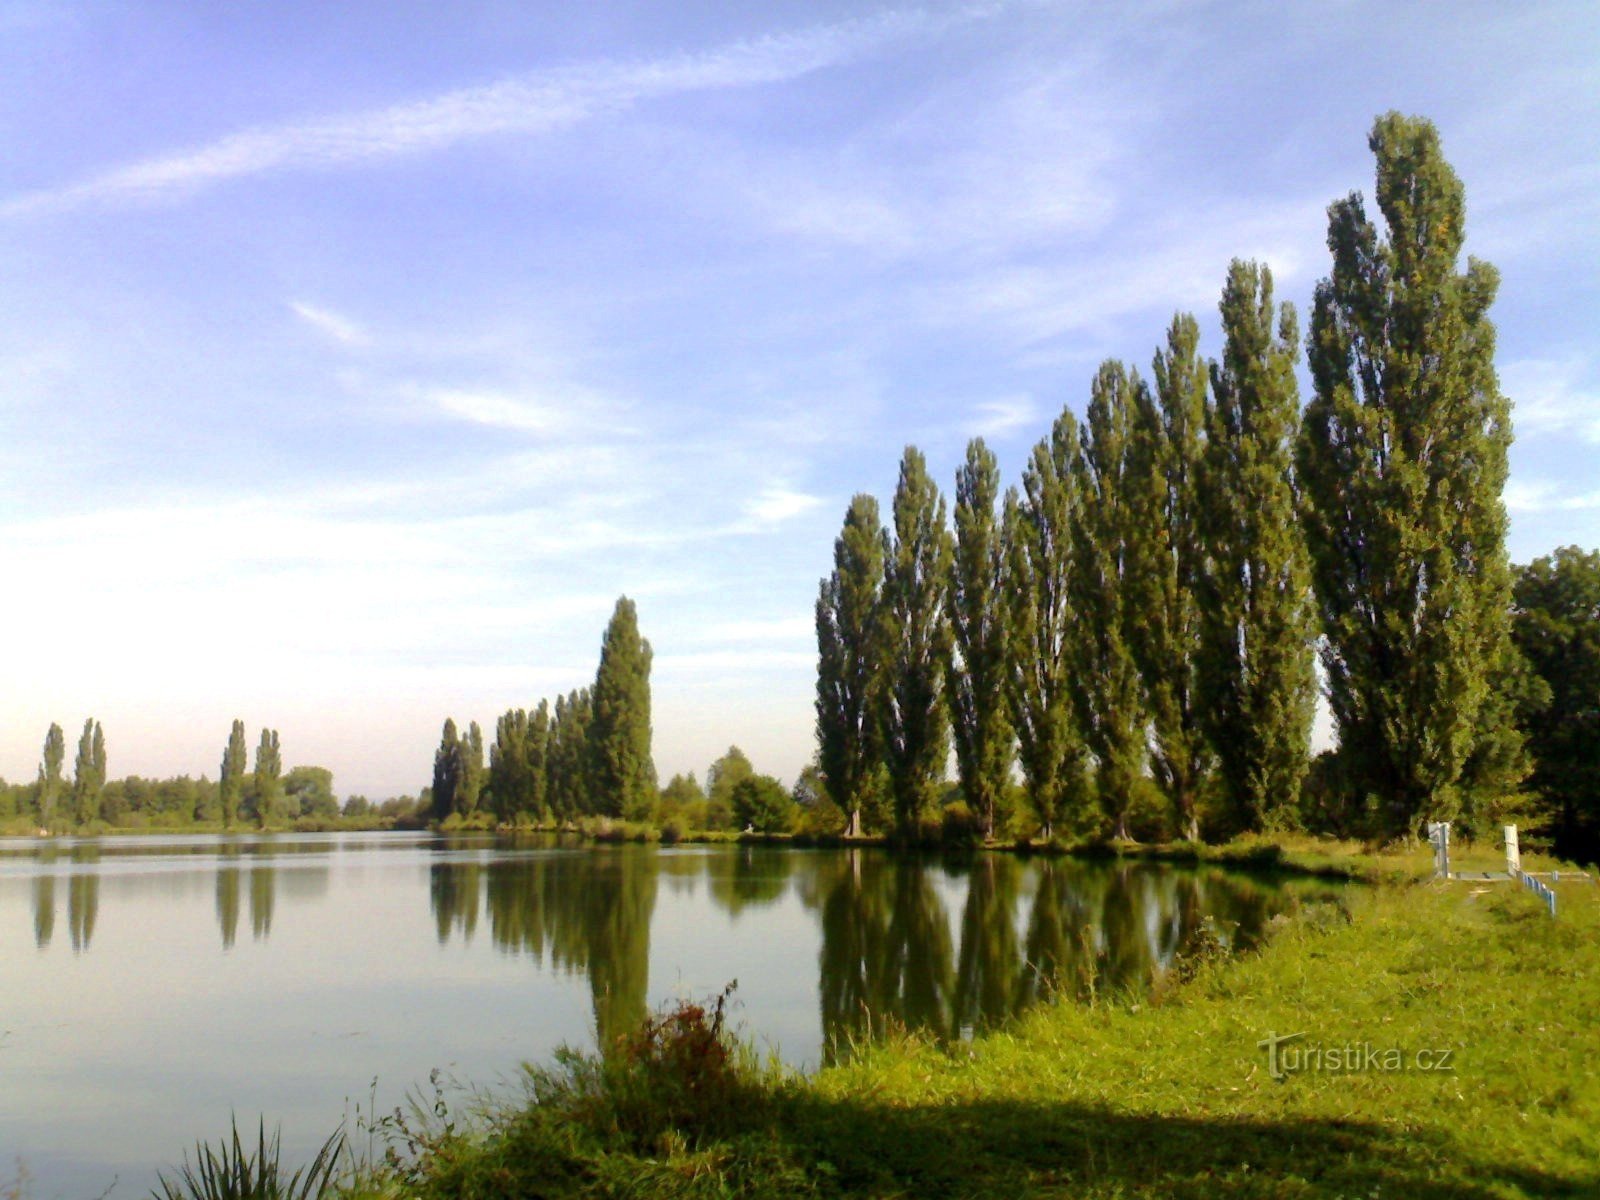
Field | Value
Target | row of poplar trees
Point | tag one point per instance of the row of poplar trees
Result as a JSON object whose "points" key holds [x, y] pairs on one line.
{"points": [[1147, 606], [589, 755], [245, 794], [54, 802]]}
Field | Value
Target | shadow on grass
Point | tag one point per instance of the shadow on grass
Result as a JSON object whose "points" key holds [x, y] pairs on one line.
{"points": [[1011, 1149], [802, 1145]]}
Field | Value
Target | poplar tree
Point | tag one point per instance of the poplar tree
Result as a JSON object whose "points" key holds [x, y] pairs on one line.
{"points": [[558, 789], [269, 776], [88, 773], [916, 638], [1041, 629], [619, 731], [446, 771], [1110, 708], [1163, 610], [975, 603], [1257, 666], [536, 801], [230, 780], [472, 770], [508, 764], [97, 759], [517, 768], [50, 780], [555, 784], [1403, 456], [567, 766], [849, 660]]}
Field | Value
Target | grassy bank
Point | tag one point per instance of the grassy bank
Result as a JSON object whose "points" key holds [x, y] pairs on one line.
{"points": [[1172, 1096]]}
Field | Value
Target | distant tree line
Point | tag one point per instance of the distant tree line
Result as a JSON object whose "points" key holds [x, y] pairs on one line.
{"points": [[1134, 628], [261, 797]]}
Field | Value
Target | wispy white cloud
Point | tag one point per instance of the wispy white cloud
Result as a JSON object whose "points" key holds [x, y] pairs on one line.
{"points": [[1528, 497], [1003, 417], [1544, 496], [532, 103], [977, 169], [500, 411], [776, 504], [1553, 396], [329, 323], [1175, 265]]}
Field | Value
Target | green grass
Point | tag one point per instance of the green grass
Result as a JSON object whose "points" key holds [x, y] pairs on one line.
{"points": [[1169, 1096]]}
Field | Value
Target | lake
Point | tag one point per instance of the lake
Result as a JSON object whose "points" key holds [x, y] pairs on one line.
{"points": [[149, 986]]}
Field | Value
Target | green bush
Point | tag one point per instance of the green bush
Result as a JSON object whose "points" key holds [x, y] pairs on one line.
{"points": [[762, 803], [958, 824]]}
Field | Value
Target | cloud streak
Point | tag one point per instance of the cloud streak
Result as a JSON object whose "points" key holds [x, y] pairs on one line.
{"points": [[532, 103], [329, 323], [1553, 396]]}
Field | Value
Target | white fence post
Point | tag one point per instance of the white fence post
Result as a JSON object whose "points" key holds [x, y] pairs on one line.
{"points": [[1513, 853], [1439, 835]]}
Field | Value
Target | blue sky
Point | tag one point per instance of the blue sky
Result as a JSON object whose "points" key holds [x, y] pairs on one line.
{"points": [[355, 357]]}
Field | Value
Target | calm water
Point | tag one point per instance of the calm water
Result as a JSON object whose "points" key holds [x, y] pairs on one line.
{"points": [[148, 986]]}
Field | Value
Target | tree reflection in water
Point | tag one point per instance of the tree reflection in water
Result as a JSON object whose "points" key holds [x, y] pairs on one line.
{"points": [[1029, 930]]}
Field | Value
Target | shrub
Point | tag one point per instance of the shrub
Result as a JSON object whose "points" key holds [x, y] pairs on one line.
{"points": [[959, 824], [680, 1078], [762, 803]]}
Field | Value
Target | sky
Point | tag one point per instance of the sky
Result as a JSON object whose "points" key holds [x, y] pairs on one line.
{"points": [[355, 358]]}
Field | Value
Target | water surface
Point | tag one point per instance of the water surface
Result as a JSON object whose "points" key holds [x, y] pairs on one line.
{"points": [[151, 985]]}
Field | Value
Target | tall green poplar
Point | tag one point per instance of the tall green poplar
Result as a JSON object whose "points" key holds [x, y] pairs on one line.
{"points": [[1257, 667], [849, 660], [916, 638], [1042, 630], [230, 780], [1163, 610], [88, 773], [619, 733], [517, 775], [447, 763], [568, 765], [50, 780], [1402, 454], [97, 760], [269, 776], [537, 748], [473, 773], [1110, 707], [975, 603], [557, 790]]}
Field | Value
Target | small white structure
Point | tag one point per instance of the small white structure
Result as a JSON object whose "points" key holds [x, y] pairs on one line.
{"points": [[1439, 838]]}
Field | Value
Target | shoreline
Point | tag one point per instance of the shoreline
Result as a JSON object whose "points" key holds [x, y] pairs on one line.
{"points": [[1425, 1040]]}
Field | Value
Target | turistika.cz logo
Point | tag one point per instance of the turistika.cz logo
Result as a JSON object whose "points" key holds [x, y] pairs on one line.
{"points": [[1288, 1055]]}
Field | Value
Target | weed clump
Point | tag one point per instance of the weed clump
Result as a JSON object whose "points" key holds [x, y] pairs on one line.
{"points": [[231, 1171], [676, 1107], [678, 1079]]}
